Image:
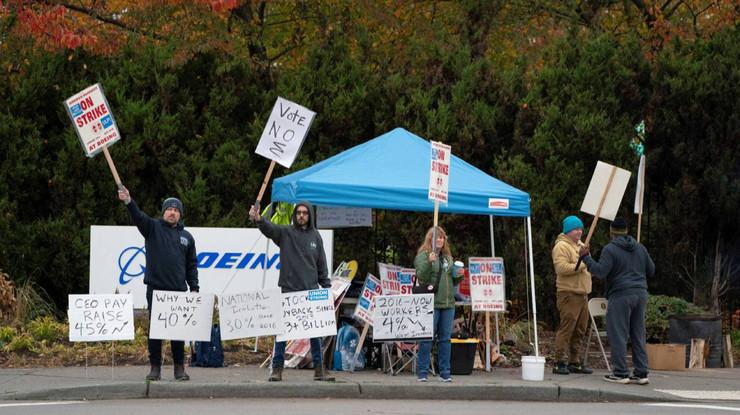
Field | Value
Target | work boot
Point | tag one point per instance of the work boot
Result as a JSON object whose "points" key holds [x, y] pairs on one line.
{"points": [[561, 369], [180, 372], [155, 373], [319, 374], [579, 368], [276, 374]]}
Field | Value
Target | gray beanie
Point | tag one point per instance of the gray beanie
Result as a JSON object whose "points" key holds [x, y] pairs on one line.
{"points": [[175, 203]]}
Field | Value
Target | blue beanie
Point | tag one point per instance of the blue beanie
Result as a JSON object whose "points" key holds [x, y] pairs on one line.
{"points": [[175, 203], [570, 223]]}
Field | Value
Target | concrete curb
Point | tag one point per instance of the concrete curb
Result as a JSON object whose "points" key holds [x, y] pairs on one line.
{"points": [[338, 390]]}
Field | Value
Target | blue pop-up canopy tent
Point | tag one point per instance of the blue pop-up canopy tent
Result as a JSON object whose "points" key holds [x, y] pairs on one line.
{"points": [[392, 172]]}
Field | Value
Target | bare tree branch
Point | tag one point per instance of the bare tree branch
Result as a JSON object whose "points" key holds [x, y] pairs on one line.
{"points": [[95, 15]]}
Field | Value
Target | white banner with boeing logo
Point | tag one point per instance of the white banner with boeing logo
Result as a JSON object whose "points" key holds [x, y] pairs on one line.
{"points": [[230, 260]]}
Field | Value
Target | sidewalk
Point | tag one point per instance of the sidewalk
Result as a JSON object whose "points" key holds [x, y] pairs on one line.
{"points": [[127, 382]]}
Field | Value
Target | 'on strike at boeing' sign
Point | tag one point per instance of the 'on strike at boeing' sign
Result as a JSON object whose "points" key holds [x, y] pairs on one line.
{"points": [[230, 260], [93, 120]]}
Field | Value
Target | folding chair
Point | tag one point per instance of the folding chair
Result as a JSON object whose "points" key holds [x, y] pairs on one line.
{"points": [[400, 355], [597, 308]]}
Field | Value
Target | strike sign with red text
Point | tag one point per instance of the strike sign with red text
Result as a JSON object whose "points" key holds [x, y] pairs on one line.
{"points": [[439, 174], [93, 119], [487, 284]]}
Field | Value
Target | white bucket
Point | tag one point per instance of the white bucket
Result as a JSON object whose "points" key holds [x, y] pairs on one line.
{"points": [[533, 368]]}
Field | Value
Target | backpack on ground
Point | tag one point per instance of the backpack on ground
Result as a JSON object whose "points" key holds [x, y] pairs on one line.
{"points": [[208, 354], [346, 344]]}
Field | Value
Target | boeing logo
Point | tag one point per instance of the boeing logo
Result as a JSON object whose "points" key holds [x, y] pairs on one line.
{"points": [[124, 264], [131, 267]]}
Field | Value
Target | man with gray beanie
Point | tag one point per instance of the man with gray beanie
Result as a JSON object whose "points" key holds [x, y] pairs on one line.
{"points": [[171, 265], [302, 267], [626, 265], [573, 286]]}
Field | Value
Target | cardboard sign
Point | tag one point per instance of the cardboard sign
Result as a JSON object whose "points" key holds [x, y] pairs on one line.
{"points": [[598, 185], [487, 284], [93, 119], [285, 131], [328, 217], [366, 302], [439, 173], [181, 316], [101, 317], [406, 280], [251, 314], [230, 260], [403, 317], [308, 314]]}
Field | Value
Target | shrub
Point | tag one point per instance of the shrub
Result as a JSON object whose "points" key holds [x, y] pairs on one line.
{"points": [[47, 329], [659, 309], [20, 343], [6, 335]]}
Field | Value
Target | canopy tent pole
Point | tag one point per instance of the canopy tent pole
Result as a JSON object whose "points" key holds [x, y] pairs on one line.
{"points": [[531, 278], [488, 340]]}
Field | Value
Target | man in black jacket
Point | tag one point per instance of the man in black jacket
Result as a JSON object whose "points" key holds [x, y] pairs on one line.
{"points": [[302, 267], [626, 265], [171, 265]]}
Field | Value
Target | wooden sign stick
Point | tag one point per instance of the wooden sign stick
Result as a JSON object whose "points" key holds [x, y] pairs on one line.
{"points": [[264, 184], [359, 347], [112, 167], [598, 211], [642, 193], [434, 229]]}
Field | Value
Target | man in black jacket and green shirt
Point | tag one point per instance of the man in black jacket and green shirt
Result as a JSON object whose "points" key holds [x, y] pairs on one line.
{"points": [[302, 267], [626, 265], [171, 265]]}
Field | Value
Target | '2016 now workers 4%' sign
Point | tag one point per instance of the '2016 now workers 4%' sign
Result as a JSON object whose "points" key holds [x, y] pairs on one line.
{"points": [[93, 120], [181, 316], [285, 131], [403, 317], [100, 317], [251, 314], [439, 174], [308, 314], [487, 284]]}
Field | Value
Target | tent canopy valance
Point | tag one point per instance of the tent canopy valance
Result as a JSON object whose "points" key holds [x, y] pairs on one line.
{"points": [[392, 172]]}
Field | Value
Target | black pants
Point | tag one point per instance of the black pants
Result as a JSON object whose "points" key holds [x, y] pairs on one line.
{"points": [[155, 345]]}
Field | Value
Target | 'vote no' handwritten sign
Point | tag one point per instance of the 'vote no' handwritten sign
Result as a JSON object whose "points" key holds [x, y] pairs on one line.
{"points": [[251, 314], [101, 317], [180, 315], [403, 317], [283, 135], [308, 314]]}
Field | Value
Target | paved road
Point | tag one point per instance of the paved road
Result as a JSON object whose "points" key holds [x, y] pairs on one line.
{"points": [[354, 407]]}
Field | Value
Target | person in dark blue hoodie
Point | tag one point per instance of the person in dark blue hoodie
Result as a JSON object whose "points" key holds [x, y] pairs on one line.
{"points": [[171, 265], [302, 267], [626, 266]]}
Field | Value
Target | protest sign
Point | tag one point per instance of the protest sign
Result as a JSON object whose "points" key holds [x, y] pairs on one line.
{"points": [[92, 119], [487, 284], [308, 314], [285, 131], [181, 316], [439, 173], [101, 317], [403, 317], [251, 314], [406, 280], [366, 303], [389, 278], [604, 195]]}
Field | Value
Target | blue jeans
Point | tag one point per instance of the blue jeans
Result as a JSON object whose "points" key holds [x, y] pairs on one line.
{"points": [[278, 354], [443, 318]]}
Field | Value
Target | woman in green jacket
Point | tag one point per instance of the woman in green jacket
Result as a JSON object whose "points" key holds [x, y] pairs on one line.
{"points": [[434, 266]]}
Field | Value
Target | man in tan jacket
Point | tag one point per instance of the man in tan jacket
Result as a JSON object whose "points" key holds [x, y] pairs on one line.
{"points": [[573, 286]]}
